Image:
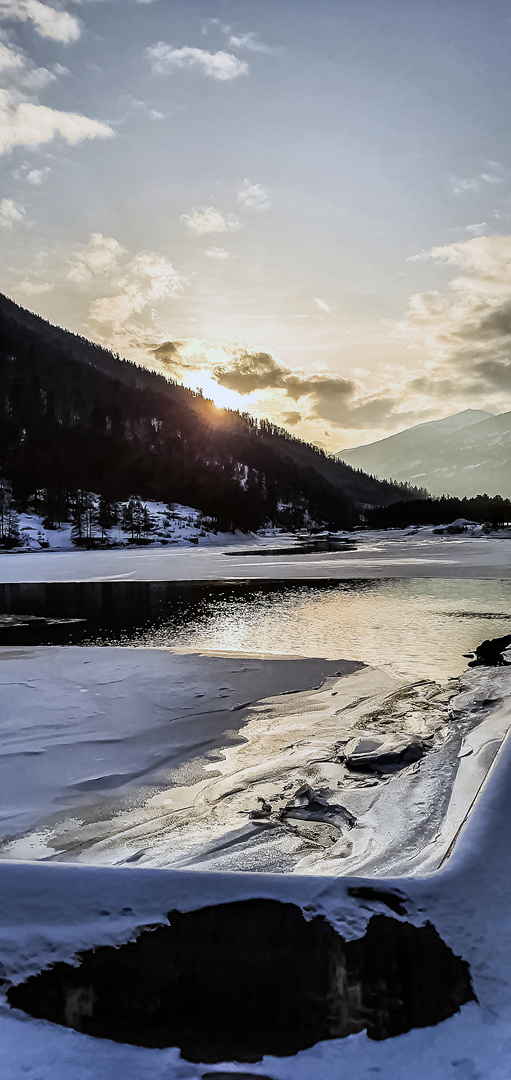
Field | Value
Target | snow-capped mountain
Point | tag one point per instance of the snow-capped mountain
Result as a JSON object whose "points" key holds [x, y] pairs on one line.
{"points": [[466, 454]]}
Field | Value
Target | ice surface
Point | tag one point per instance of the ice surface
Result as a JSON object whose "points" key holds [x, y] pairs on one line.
{"points": [[387, 554]]}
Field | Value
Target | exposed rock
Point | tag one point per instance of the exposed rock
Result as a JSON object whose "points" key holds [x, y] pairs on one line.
{"points": [[489, 652], [382, 754]]}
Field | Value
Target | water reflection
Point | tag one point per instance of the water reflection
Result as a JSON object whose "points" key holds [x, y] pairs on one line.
{"points": [[419, 626]]}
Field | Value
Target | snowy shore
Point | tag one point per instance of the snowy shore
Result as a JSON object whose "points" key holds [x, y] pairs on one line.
{"points": [[111, 756]]}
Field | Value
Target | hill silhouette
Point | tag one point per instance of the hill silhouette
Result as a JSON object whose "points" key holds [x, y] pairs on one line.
{"points": [[75, 416]]}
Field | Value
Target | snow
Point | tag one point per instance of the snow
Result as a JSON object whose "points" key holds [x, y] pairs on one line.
{"points": [[396, 553], [181, 526], [110, 756], [47, 913]]}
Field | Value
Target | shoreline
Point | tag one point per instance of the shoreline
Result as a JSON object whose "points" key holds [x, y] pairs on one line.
{"points": [[107, 780]]}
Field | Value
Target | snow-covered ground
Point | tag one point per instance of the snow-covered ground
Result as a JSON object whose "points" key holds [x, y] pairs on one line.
{"points": [[176, 526], [111, 756], [47, 913], [385, 554]]}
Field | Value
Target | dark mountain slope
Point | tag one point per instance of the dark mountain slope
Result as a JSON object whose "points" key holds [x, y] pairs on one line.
{"points": [[73, 415], [463, 455]]}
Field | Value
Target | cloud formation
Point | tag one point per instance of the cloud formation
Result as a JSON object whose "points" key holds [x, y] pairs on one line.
{"points": [[249, 41], [206, 219], [465, 333], [219, 65], [27, 124], [11, 213], [253, 196], [134, 283], [100, 257], [216, 253], [47, 22], [322, 304], [329, 397], [36, 176]]}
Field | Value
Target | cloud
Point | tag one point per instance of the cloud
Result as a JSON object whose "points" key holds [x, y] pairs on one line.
{"points": [[477, 229], [148, 278], [220, 65], [47, 22], [11, 213], [292, 418], [100, 257], [421, 256], [253, 196], [19, 74], [206, 219], [329, 397], [462, 186], [36, 176], [217, 253], [27, 124], [249, 41], [168, 350], [35, 288], [322, 304], [465, 333]]}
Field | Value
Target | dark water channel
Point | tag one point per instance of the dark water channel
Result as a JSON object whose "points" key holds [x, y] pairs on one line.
{"points": [[419, 626], [234, 982]]}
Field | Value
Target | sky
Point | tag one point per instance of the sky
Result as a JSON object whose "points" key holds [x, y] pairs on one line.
{"points": [[303, 210]]}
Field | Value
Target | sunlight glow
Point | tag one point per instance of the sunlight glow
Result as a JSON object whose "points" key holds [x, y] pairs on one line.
{"points": [[221, 396]]}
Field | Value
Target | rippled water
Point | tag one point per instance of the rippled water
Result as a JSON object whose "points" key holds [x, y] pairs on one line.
{"points": [[420, 627]]}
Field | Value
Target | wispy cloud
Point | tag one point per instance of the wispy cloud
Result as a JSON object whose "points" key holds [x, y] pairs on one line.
{"points": [[465, 332], [11, 213], [473, 184], [322, 304], [134, 283], [206, 219], [217, 253], [419, 257], [35, 288], [249, 41], [100, 257], [254, 196], [219, 65]]}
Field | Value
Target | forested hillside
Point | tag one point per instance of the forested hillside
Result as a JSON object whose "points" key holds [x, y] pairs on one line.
{"points": [[75, 417]]}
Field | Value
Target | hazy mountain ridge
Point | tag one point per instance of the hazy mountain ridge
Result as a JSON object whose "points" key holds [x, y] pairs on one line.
{"points": [[73, 415], [466, 454]]}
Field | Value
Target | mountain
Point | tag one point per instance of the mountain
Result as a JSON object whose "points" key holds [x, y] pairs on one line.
{"points": [[466, 454], [74, 416]]}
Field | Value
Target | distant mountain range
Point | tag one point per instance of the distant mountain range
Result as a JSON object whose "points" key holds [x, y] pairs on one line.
{"points": [[75, 417], [466, 454]]}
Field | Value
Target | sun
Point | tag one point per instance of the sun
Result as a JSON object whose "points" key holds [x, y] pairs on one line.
{"points": [[221, 396]]}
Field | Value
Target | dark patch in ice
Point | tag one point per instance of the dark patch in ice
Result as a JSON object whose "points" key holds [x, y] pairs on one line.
{"points": [[392, 900], [237, 981], [236, 1075]]}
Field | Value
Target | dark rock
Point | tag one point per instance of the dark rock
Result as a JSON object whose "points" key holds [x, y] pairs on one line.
{"points": [[489, 652], [382, 754]]}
